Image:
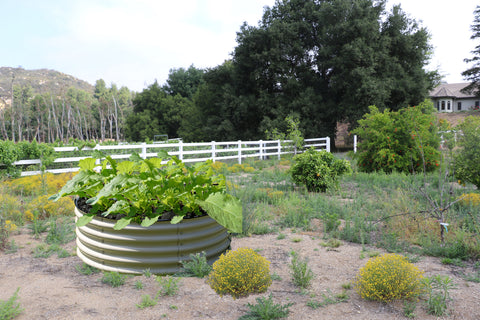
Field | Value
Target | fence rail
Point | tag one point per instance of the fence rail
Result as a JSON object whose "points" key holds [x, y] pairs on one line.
{"points": [[187, 152]]}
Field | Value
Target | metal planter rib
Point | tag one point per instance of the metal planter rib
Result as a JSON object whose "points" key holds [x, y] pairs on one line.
{"points": [[159, 247]]}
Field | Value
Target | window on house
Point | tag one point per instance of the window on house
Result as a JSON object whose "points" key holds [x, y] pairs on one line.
{"points": [[459, 106], [477, 103], [448, 105], [443, 105], [438, 105]]}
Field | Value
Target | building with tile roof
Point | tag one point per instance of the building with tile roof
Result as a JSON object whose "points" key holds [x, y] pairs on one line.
{"points": [[449, 97]]}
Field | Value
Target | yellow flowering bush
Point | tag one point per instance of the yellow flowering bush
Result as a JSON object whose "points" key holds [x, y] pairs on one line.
{"points": [[471, 199], [218, 166], [10, 226], [31, 185], [48, 208], [11, 208], [239, 273], [389, 277], [241, 168], [6, 227]]}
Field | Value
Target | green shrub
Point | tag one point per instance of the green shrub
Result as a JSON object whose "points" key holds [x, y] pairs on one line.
{"points": [[86, 269], [401, 141], [8, 155], [318, 170], [113, 278], [168, 286], [467, 159], [302, 275], [147, 301], [389, 277], [198, 266], [438, 295], [266, 309], [10, 308], [239, 273]]}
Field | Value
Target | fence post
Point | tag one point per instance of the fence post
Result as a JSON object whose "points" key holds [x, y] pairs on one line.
{"points": [[260, 147], [328, 144], [144, 150], [213, 151], [279, 149], [180, 150], [355, 143], [98, 161], [239, 151]]}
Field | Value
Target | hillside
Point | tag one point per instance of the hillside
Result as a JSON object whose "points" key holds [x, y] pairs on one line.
{"points": [[455, 118], [41, 80]]}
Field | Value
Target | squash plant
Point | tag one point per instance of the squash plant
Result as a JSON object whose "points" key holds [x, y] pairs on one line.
{"points": [[145, 190]]}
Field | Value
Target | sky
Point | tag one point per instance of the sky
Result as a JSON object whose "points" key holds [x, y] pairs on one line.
{"points": [[135, 42]]}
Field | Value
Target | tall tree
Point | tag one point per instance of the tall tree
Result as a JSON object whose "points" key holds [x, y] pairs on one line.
{"points": [[328, 60], [184, 82], [473, 74], [154, 113]]}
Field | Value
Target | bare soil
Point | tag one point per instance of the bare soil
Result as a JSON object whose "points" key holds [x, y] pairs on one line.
{"points": [[52, 288]]}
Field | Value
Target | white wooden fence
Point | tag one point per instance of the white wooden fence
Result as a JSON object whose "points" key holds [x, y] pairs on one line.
{"points": [[187, 152]]}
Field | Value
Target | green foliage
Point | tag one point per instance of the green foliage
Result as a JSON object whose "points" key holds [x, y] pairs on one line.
{"points": [[8, 155], [145, 189], [467, 158], [472, 74], [239, 273], [197, 266], [301, 273], [328, 299], [10, 308], [402, 141], [184, 82], [438, 295], [138, 285], [86, 269], [331, 222], [113, 278], [147, 273], [60, 232], [168, 286], [367, 56], [409, 308], [45, 251], [318, 170], [6, 228], [266, 309], [146, 302], [37, 226], [388, 277], [155, 112], [11, 152], [293, 132]]}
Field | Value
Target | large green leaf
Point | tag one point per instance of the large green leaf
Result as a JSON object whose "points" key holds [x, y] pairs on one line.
{"points": [[225, 209], [111, 189], [147, 222], [76, 185], [84, 220], [87, 164], [120, 206], [122, 223], [126, 167], [176, 219]]}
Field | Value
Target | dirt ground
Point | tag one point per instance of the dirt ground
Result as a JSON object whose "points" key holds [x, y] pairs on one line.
{"points": [[52, 288]]}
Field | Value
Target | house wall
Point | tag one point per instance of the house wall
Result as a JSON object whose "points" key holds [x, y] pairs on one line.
{"points": [[451, 104]]}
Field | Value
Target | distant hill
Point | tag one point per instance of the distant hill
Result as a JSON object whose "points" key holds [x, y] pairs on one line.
{"points": [[41, 80]]}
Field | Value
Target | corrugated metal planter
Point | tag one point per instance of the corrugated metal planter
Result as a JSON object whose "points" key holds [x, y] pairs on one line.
{"points": [[159, 247]]}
